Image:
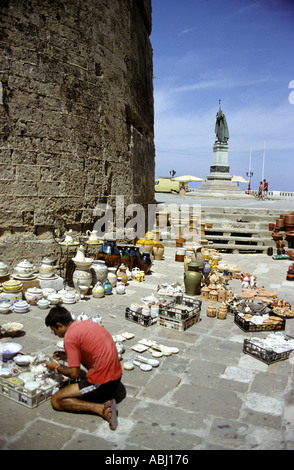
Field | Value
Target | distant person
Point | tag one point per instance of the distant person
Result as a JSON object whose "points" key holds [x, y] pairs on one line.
{"points": [[89, 344], [260, 189], [265, 189]]}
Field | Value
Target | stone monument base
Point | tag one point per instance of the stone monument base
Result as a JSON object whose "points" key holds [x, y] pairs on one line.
{"points": [[222, 188]]}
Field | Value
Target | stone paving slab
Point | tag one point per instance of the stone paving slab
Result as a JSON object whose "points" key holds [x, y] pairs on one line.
{"points": [[209, 396]]}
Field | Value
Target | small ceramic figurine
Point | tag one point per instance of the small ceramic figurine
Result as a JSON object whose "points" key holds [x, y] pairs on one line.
{"points": [[245, 281], [252, 282]]}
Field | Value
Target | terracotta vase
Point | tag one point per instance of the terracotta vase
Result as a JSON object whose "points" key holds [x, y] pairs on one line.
{"points": [[192, 279], [122, 275], [280, 224], [158, 250]]}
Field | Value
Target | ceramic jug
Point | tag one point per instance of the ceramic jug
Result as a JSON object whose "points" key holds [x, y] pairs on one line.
{"points": [[93, 236], [122, 274], [98, 290], [145, 262], [192, 279]]}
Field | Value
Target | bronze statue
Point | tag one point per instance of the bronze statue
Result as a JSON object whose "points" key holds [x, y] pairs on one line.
{"points": [[221, 126]]}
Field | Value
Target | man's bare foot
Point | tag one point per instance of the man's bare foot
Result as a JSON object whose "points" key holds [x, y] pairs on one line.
{"points": [[110, 414]]}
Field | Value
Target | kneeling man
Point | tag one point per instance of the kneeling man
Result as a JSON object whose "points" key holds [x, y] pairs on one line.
{"points": [[89, 344]]}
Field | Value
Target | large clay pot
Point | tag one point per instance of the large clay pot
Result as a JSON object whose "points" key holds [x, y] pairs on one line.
{"points": [[289, 222], [109, 252], [124, 255], [99, 271], [145, 262], [280, 224], [192, 279], [81, 277], [133, 255], [158, 250]]}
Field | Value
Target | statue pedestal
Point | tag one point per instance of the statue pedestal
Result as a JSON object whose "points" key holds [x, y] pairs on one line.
{"points": [[220, 169], [218, 183]]}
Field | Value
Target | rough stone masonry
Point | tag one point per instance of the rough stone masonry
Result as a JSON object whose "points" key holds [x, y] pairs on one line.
{"points": [[76, 116]]}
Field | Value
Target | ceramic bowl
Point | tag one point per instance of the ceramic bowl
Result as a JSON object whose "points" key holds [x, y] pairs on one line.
{"points": [[9, 350], [43, 303], [55, 299], [86, 264], [4, 307], [22, 359], [20, 306], [47, 291]]}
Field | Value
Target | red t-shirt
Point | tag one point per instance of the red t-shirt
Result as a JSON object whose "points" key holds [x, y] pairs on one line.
{"points": [[91, 345]]}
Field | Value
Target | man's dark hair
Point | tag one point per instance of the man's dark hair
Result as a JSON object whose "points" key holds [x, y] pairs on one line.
{"points": [[58, 314]]}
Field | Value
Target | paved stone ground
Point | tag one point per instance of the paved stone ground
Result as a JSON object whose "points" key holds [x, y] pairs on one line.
{"points": [[209, 396]]}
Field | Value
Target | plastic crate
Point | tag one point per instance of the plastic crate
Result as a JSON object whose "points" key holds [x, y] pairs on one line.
{"points": [[181, 308], [179, 325], [25, 397], [265, 355], [246, 325], [138, 318]]}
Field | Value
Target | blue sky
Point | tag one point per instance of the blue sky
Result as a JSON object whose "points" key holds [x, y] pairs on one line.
{"points": [[241, 52]]}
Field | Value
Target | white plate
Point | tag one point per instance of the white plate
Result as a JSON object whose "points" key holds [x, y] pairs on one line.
{"points": [[139, 348], [128, 366]]}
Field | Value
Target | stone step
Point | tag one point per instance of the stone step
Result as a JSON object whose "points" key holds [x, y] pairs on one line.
{"points": [[245, 240], [231, 247]]}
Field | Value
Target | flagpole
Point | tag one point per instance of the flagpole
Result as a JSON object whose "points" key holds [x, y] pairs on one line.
{"points": [[263, 160]]}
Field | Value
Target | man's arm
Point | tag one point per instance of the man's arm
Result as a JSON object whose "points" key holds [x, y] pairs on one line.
{"points": [[71, 372]]}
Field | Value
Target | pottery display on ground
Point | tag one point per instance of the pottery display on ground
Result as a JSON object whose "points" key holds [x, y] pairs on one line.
{"points": [[24, 269], [33, 295], [192, 279]]}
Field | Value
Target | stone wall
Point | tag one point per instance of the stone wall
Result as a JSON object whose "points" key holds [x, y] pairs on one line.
{"points": [[76, 116]]}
